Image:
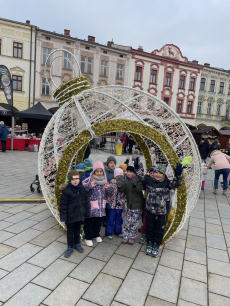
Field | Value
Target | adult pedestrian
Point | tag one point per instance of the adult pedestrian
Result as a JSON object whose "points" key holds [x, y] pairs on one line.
{"points": [[131, 143], [204, 150], [3, 135], [222, 166], [214, 146], [124, 141]]}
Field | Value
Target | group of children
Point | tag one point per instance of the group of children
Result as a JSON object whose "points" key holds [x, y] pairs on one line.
{"points": [[96, 191]]}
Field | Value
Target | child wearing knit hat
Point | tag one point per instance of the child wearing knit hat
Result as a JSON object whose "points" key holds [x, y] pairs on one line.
{"points": [[116, 202], [73, 210], [88, 168]]}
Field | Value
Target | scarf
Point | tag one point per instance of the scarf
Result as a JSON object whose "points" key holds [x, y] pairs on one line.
{"points": [[109, 173], [100, 180], [88, 169], [159, 181], [77, 188]]}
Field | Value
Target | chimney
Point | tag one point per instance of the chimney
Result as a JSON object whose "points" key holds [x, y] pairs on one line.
{"points": [[140, 48], [27, 21], [67, 32], [109, 43], [91, 38], [195, 62], [206, 64]]}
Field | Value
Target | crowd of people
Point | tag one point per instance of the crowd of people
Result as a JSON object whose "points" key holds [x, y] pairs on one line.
{"points": [[96, 194]]}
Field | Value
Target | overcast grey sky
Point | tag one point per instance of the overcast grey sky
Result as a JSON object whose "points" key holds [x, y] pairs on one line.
{"points": [[200, 28]]}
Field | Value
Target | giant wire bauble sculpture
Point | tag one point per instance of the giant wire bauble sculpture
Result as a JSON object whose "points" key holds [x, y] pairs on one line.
{"points": [[86, 113]]}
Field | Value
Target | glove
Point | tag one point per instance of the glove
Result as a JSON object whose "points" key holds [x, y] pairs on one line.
{"points": [[134, 181], [136, 163], [179, 169], [120, 182]]}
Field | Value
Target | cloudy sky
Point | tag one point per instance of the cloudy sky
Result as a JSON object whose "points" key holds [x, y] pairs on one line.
{"points": [[200, 28]]}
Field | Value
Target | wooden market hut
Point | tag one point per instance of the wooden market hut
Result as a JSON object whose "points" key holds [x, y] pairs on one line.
{"points": [[204, 132], [224, 138]]}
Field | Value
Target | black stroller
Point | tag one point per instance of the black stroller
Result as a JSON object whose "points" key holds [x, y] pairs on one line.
{"points": [[37, 183]]}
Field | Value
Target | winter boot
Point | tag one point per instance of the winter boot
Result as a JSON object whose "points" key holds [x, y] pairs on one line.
{"points": [[131, 241], [68, 252], [149, 248], [142, 239], [125, 240], [224, 192], [215, 191], [78, 248], [155, 250]]}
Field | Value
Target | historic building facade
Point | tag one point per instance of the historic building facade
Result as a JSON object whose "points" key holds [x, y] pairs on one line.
{"points": [[214, 98], [169, 76], [17, 53], [101, 64]]}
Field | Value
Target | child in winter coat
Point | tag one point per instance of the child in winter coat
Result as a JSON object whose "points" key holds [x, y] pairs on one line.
{"points": [[132, 187], [158, 203], [110, 167], [73, 210], [88, 168], [204, 174], [97, 187], [116, 202]]}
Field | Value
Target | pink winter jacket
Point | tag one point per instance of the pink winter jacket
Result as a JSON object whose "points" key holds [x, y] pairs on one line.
{"points": [[220, 159]]}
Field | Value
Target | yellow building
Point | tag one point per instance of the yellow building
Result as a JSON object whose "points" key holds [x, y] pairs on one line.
{"points": [[17, 53]]}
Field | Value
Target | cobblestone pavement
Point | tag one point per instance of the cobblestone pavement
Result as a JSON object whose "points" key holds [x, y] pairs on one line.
{"points": [[193, 268]]}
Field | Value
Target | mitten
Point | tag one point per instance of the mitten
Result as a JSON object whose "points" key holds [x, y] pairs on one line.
{"points": [[134, 181], [179, 169]]}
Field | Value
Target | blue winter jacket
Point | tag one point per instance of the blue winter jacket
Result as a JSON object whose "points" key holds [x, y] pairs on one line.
{"points": [[86, 175], [3, 132]]}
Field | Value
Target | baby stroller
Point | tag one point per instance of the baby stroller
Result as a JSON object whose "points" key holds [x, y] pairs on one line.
{"points": [[37, 183]]}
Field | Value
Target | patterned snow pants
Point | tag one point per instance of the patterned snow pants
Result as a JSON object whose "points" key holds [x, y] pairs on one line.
{"points": [[131, 223]]}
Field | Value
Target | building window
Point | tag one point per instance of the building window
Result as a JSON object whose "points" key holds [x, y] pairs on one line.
{"points": [[0, 46], [17, 82], [105, 52], [221, 87], [166, 100], [87, 48], [17, 50], [179, 106], [67, 60], [212, 86], [182, 78], [104, 68], [229, 89], [168, 79], [46, 53], [192, 84], [86, 62], [153, 77], [121, 55], [47, 38], [89, 65], [227, 111], [83, 63], [218, 109], [120, 71], [199, 107], [68, 43], [138, 73], [189, 108], [202, 84], [209, 108], [45, 87]]}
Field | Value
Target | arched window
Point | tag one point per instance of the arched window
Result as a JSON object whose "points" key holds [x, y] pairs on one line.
{"points": [[218, 109]]}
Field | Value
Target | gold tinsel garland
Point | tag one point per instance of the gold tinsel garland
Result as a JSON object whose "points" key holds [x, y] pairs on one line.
{"points": [[134, 127], [66, 90]]}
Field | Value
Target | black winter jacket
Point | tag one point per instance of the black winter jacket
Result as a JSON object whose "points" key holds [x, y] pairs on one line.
{"points": [[158, 199], [214, 146], [204, 149], [73, 206]]}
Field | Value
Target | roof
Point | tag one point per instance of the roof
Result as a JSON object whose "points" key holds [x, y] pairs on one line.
{"points": [[205, 129], [18, 22], [38, 111], [4, 111]]}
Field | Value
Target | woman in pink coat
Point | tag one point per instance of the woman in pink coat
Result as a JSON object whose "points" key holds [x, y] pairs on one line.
{"points": [[222, 166], [124, 141]]}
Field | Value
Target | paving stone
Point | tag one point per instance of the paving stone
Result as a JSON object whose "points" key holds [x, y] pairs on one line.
{"points": [[19, 217], [63, 239], [213, 221], [46, 224], [195, 271], [196, 222], [3, 273], [214, 229], [129, 250], [5, 235], [227, 237], [217, 254], [17, 279], [42, 215], [219, 284], [38, 208], [5, 249], [47, 237], [164, 279], [225, 214], [196, 243], [211, 207], [17, 257], [22, 238], [86, 303], [118, 266], [30, 295], [197, 214], [78, 257], [185, 226], [226, 227], [21, 226], [3, 208], [176, 244], [88, 269], [195, 256], [212, 214], [219, 267], [225, 221], [171, 259], [182, 234], [19, 208], [54, 274], [145, 263], [4, 215], [48, 255], [217, 300], [196, 231], [185, 303], [4, 224], [67, 293], [216, 241], [157, 302], [103, 251], [193, 291], [116, 240]]}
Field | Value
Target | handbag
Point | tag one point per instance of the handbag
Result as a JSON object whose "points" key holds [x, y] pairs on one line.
{"points": [[30, 148]]}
